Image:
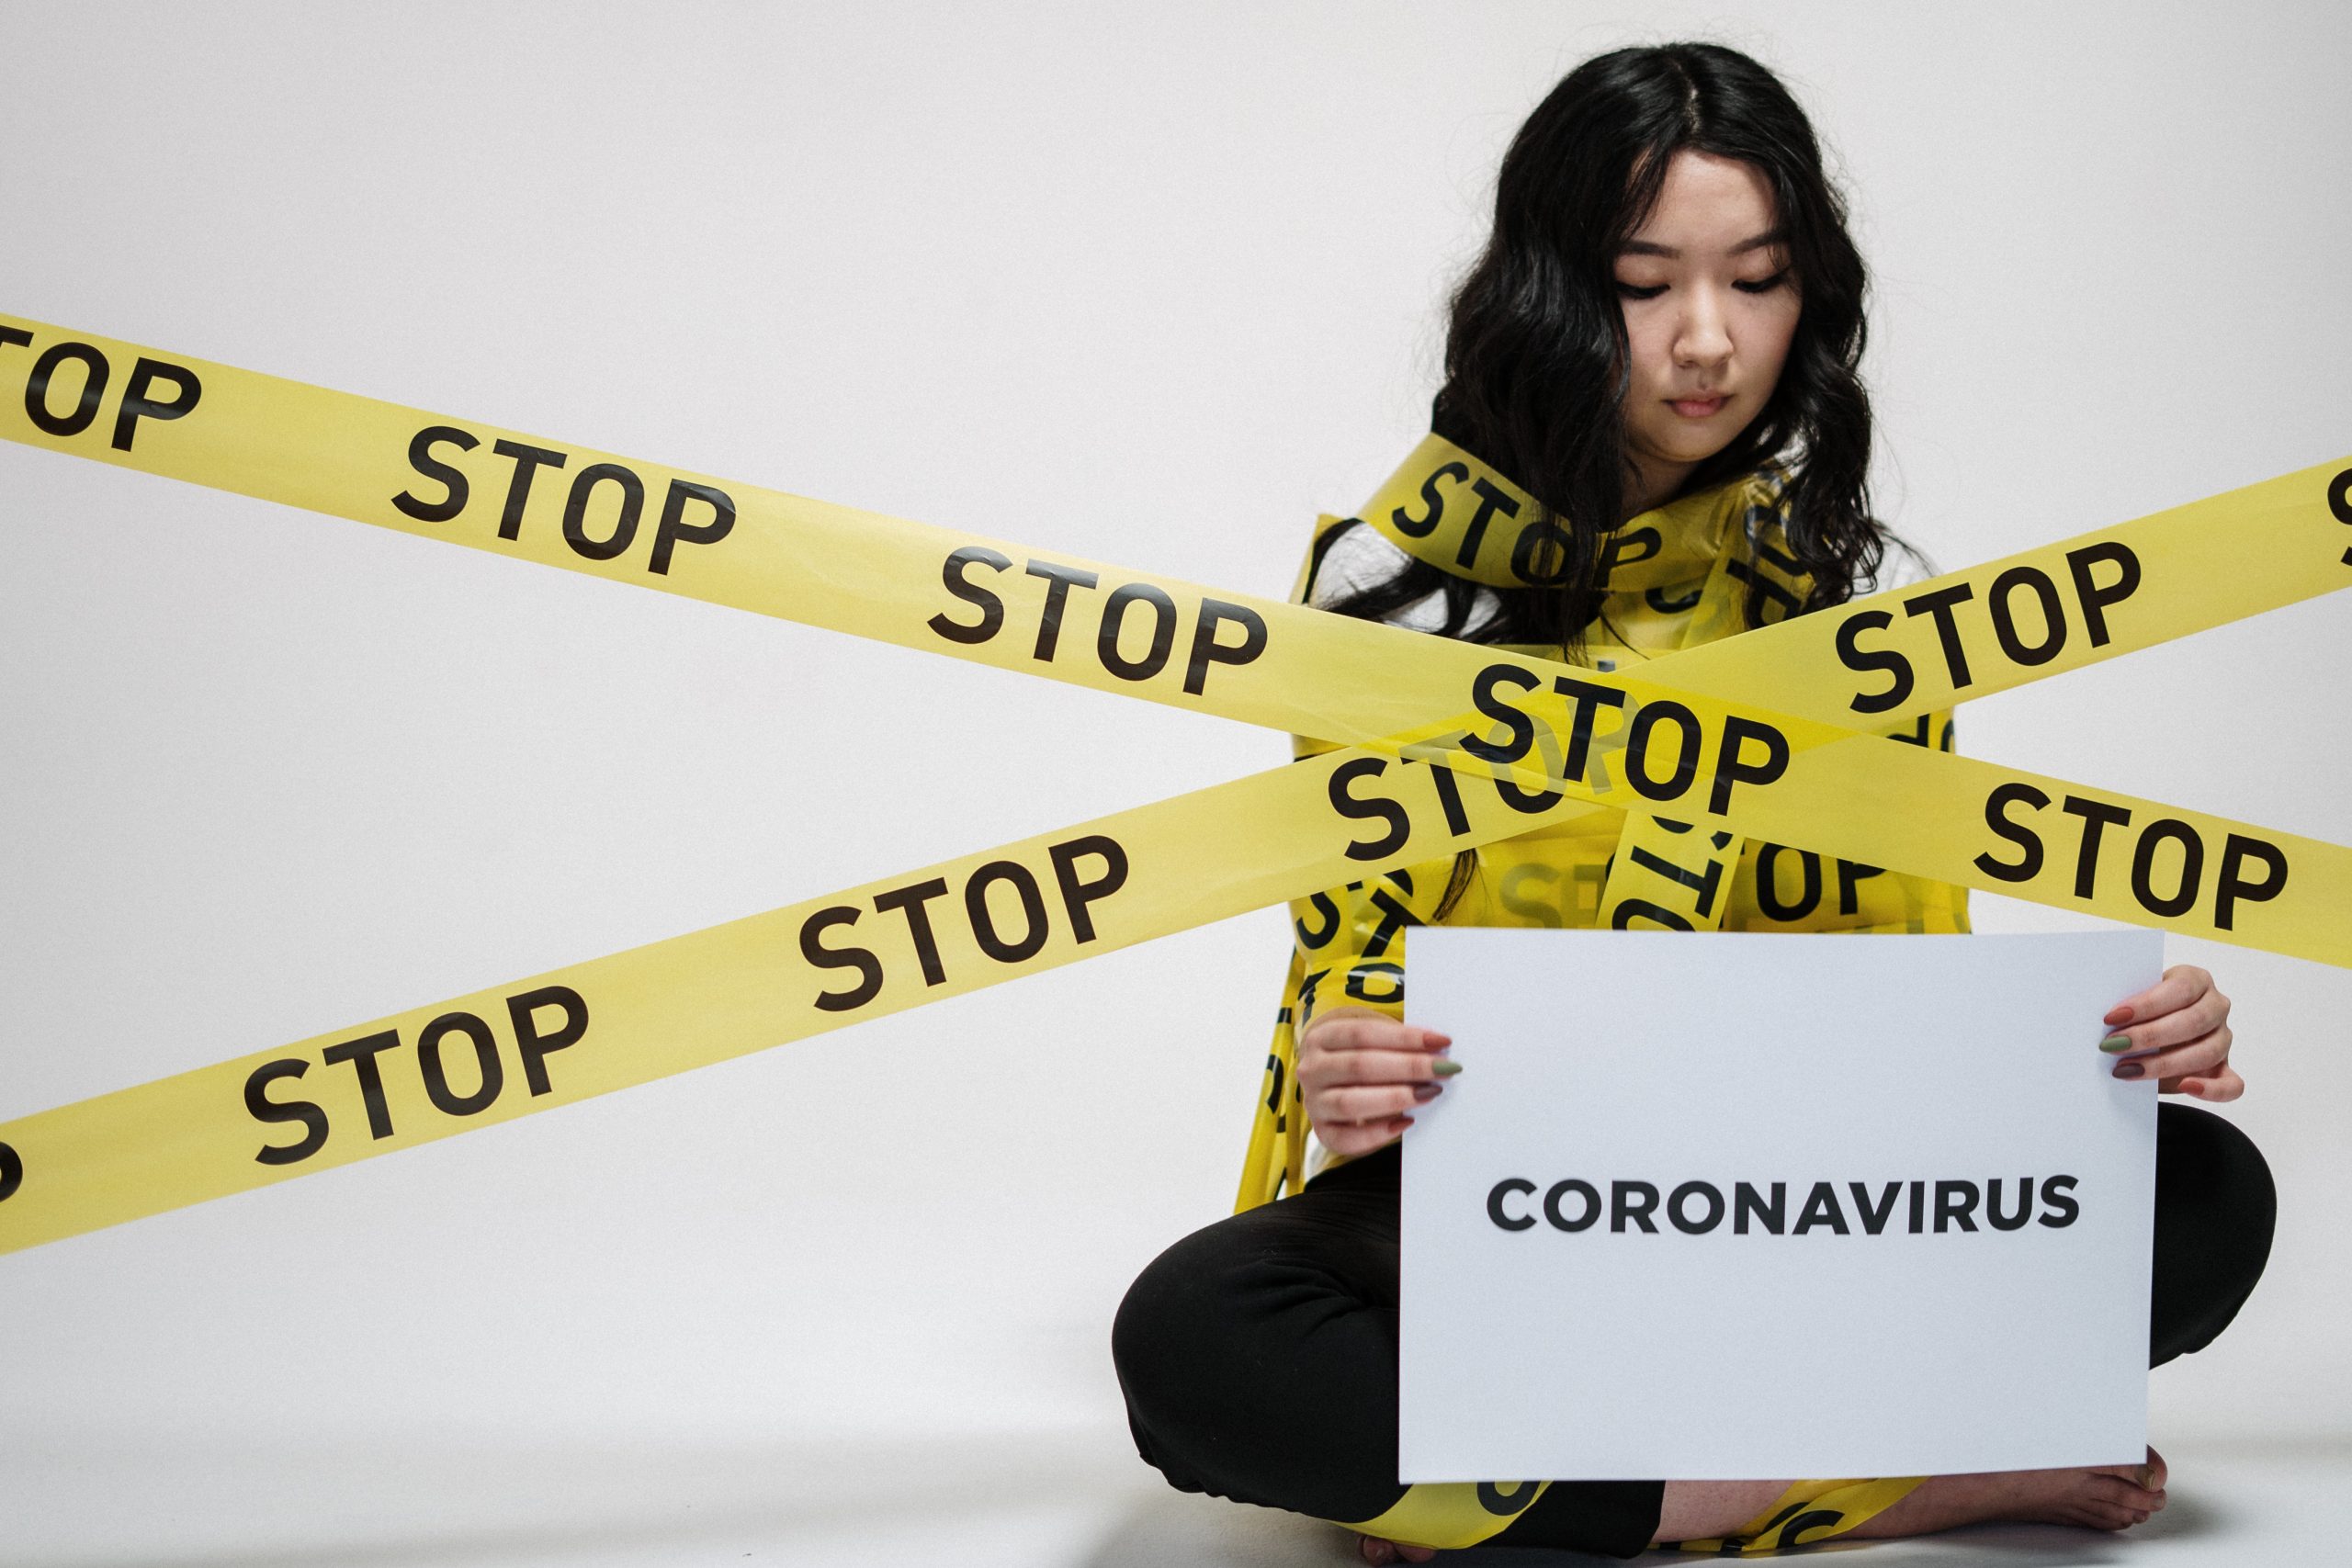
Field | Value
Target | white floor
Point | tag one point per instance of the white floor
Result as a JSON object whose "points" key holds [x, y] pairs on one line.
{"points": [[1067, 1500]]}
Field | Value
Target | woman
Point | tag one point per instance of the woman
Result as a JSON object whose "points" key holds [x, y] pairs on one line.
{"points": [[1660, 343]]}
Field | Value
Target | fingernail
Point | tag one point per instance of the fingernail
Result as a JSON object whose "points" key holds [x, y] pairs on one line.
{"points": [[2116, 1043], [1445, 1066], [1427, 1092], [2129, 1070]]}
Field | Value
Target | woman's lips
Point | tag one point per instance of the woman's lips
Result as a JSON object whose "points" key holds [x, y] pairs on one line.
{"points": [[1699, 408]]}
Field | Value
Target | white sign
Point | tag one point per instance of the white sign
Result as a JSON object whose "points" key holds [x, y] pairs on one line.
{"points": [[1754, 1206]]}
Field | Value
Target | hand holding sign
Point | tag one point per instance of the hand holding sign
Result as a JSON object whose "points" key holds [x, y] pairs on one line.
{"points": [[2181, 1034], [1361, 1073]]}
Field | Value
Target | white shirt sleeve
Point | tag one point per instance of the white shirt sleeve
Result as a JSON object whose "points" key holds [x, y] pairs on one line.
{"points": [[1361, 557]]}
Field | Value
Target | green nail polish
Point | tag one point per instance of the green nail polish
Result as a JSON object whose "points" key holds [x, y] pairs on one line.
{"points": [[2114, 1042], [1445, 1066]]}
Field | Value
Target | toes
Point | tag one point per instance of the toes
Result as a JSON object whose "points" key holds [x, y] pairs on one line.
{"points": [[2124, 1492], [2100, 1516]]}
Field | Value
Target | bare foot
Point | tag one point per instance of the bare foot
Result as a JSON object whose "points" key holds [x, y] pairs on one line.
{"points": [[2103, 1497], [1379, 1553]]}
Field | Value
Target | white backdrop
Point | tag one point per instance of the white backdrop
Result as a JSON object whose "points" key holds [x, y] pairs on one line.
{"points": [[1146, 286]]}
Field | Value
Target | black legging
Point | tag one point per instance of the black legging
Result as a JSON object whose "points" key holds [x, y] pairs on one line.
{"points": [[1259, 1355]]}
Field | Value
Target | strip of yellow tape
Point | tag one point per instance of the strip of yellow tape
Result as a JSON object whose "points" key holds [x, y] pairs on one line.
{"points": [[1527, 742], [1749, 733], [626, 1019]]}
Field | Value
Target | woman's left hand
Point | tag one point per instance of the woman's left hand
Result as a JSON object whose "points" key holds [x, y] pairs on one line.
{"points": [[2178, 1031]]}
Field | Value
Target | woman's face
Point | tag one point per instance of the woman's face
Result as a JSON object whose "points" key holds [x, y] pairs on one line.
{"points": [[1710, 308]]}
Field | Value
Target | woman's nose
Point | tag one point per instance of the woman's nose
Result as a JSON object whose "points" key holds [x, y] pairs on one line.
{"points": [[1701, 337]]}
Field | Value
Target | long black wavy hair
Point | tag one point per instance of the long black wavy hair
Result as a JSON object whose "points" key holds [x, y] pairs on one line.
{"points": [[1536, 358]]}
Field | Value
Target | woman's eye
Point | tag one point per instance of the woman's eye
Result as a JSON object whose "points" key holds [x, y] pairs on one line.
{"points": [[1634, 291], [1763, 284]]}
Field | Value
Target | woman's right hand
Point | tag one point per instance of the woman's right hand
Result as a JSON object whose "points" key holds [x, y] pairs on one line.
{"points": [[1360, 1073]]}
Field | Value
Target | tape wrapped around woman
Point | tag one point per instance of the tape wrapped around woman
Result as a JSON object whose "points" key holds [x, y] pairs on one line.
{"points": [[1661, 343]]}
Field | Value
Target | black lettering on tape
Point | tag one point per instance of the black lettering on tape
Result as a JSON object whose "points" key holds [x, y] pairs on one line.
{"points": [[1422, 527], [912, 899], [1033, 911], [1077, 893], [84, 407], [362, 1053], [1702, 883], [1939, 605], [2231, 886], [1400, 825], [1208, 650], [1527, 801], [528, 460], [2144, 867], [15, 337], [1490, 501], [1163, 631], [1321, 904], [2339, 502], [1540, 557], [991, 608], [1851, 875], [1729, 768], [12, 1172], [674, 529], [1060, 579], [1629, 548], [435, 1071], [535, 1047], [1628, 910], [1448, 799], [2002, 601], [575, 510], [1638, 736], [1997, 805], [264, 1108], [2098, 817], [2095, 599], [139, 402], [451, 478], [868, 967], [1360, 978], [1862, 661], [1585, 700], [1768, 883], [1517, 730], [1505, 1502]]}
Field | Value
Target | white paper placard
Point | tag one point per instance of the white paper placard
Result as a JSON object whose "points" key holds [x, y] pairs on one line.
{"points": [[1695, 1351]]}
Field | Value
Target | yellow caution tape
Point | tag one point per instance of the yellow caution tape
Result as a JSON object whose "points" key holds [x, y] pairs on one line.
{"points": [[1510, 742], [626, 1019]]}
